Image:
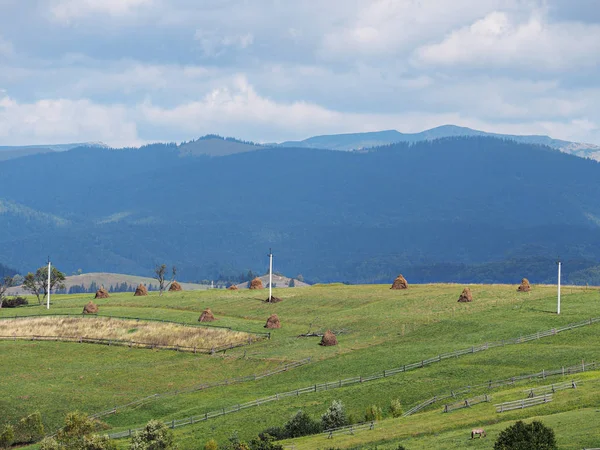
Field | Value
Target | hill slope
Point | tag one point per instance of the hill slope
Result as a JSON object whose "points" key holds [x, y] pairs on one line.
{"points": [[432, 210]]}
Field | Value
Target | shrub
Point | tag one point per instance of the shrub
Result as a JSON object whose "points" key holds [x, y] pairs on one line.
{"points": [[276, 432], [373, 412], [335, 416], [301, 425], [29, 429], [78, 434], [265, 442], [154, 436], [211, 445], [7, 437], [522, 436], [14, 302], [396, 408]]}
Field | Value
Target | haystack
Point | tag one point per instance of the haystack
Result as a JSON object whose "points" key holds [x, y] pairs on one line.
{"points": [[328, 339], [90, 308], [273, 322], [524, 286], [140, 290], [102, 293], [206, 316], [400, 283], [233, 287], [273, 299], [466, 296], [175, 286], [256, 284]]}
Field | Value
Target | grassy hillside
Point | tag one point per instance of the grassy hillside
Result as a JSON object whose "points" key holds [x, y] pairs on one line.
{"points": [[380, 329]]}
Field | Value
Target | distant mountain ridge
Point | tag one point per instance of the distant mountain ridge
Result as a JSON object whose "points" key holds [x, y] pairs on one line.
{"points": [[359, 141], [17, 151]]}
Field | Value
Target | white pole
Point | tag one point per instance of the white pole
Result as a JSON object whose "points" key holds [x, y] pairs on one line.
{"points": [[558, 309], [49, 271], [270, 274]]}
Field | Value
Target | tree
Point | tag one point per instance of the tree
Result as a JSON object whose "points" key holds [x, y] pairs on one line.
{"points": [[300, 277], [301, 424], [79, 433], [37, 283], [521, 436], [159, 274], [154, 436], [373, 412], [396, 408], [5, 284], [335, 416], [292, 283]]}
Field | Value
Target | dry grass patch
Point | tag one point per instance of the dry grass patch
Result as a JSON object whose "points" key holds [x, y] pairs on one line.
{"points": [[148, 332]]}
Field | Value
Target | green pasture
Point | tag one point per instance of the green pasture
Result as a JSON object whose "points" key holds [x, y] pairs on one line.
{"points": [[381, 329]]}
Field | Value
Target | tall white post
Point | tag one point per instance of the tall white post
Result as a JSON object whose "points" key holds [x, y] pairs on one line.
{"points": [[558, 309], [49, 271], [270, 274]]}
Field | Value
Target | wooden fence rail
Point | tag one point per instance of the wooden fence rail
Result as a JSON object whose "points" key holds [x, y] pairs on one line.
{"points": [[550, 389], [467, 403], [524, 403]]}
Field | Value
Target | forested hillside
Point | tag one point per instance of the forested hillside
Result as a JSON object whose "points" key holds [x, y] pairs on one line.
{"points": [[454, 209]]}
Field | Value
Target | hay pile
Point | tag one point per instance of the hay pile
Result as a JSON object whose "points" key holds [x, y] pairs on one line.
{"points": [[140, 290], [233, 287], [466, 296], [273, 322], [90, 308], [175, 286], [524, 286], [273, 299], [207, 316], [400, 283], [102, 293], [256, 284], [328, 339]]}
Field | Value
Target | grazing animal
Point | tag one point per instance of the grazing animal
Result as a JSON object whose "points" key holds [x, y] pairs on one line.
{"points": [[478, 431]]}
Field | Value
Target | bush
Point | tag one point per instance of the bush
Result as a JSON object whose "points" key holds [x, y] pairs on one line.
{"points": [[79, 434], [522, 436], [373, 412], [14, 302], [265, 442], [29, 429], [154, 436], [301, 425], [276, 432], [396, 408], [7, 437], [335, 416], [211, 445]]}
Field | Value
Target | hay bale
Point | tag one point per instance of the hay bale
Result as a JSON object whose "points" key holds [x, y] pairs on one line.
{"points": [[524, 286], [207, 316], [273, 322], [140, 291], [466, 296], [175, 286], [233, 287], [102, 293], [400, 283], [90, 308], [273, 299], [328, 339], [256, 284]]}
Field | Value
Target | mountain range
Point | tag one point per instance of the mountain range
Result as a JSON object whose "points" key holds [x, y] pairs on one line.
{"points": [[462, 209]]}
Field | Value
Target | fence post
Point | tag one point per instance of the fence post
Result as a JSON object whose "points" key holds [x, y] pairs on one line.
{"points": [[173, 424]]}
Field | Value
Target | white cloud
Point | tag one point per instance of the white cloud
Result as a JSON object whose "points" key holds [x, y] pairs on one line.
{"points": [[500, 40], [66, 10], [60, 120], [214, 44]]}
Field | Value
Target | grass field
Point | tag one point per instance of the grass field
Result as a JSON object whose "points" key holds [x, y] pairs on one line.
{"points": [[382, 329]]}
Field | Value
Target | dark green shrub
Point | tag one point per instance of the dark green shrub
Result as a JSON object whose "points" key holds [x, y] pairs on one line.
{"points": [[301, 425], [265, 442], [521, 436], [29, 429], [7, 436], [14, 302]]}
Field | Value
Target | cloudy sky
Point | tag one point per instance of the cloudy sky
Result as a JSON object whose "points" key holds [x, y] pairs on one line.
{"points": [[127, 72]]}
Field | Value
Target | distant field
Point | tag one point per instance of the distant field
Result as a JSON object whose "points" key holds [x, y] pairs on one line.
{"points": [[380, 329]]}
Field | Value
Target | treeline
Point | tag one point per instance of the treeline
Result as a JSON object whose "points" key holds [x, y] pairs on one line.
{"points": [[121, 287]]}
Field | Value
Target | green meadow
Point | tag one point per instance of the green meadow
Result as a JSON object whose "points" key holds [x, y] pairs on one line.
{"points": [[378, 329]]}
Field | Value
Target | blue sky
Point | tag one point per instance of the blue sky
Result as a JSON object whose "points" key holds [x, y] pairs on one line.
{"points": [[127, 72]]}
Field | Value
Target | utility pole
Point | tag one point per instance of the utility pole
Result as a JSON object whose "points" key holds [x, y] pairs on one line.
{"points": [[49, 271], [558, 309], [270, 275]]}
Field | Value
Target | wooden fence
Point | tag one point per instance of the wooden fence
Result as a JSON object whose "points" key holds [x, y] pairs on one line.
{"points": [[524, 403], [552, 388], [467, 403], [350, 429], [387, 373]]}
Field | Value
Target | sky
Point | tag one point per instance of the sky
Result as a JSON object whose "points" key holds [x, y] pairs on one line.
{"points": [[129, 72]]}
